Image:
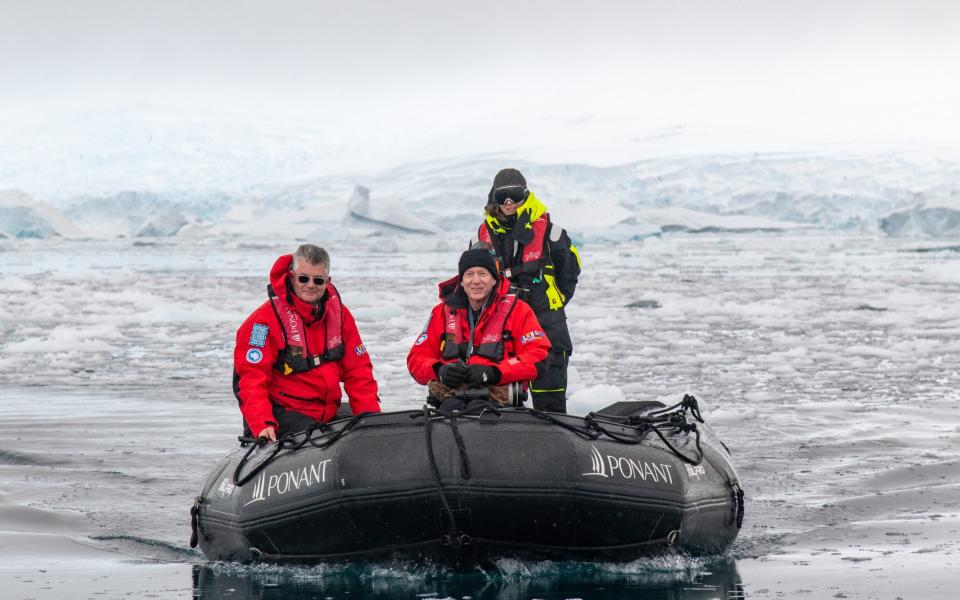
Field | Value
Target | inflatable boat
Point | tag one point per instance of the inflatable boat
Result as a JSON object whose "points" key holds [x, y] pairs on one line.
{"points": [[464, 488]]}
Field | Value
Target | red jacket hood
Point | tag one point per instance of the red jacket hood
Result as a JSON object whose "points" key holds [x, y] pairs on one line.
{"points": [[280, 275]]}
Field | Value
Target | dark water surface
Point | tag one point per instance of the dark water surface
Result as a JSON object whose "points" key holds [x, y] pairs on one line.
{"points": [[715, 580]]}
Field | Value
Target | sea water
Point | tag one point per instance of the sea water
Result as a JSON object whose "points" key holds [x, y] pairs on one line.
{"points": [[828, 363]]}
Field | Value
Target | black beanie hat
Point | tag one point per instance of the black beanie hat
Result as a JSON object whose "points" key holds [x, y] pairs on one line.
{"points": [[509, 177], [478, 257]]}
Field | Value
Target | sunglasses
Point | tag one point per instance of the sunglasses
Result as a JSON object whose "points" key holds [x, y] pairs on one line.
{"points": [[514, 193], [317, 279]]}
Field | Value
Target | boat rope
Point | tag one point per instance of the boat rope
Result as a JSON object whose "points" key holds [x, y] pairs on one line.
{"points": [[292, 442], [588, 432], [454, 537], [688, 403], [319, 442], [686, 428], [462, 449], [669, 417], [194, 521], [258, 443], [736, 493]]}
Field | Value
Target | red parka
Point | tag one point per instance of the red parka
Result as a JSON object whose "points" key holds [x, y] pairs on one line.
{"points": [[259, 383], [524, 347]]}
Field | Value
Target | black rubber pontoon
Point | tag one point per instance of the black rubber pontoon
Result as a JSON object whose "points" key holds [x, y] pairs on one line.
{"points": [[460, 489]]}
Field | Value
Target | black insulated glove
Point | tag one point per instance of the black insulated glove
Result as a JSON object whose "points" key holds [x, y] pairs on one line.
{"points": [[482, 375], [452, 374]]}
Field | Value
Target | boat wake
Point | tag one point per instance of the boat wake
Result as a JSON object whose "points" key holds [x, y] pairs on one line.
{"points": [[673, 575]]}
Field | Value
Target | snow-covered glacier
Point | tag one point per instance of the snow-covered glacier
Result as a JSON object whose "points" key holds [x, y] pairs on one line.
{"points": [[742, 193], [892, 192]]}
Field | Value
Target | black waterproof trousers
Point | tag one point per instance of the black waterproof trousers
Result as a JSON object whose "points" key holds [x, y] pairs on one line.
{"points": [[549, 392]]}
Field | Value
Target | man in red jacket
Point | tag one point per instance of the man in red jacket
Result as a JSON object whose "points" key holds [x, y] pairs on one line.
{"points": [[478, 336], [293, 351]]}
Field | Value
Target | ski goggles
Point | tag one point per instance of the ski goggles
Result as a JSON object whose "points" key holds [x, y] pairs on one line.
{"points": [[514, 193], [317, 279]]}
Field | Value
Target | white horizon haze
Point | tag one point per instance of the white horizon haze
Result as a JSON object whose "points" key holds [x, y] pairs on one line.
{"points": [[373, 85]]}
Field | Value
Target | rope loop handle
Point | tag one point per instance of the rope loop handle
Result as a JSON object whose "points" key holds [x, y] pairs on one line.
{"points": [[736, 494], [194, 521], [291, 442], [259, 443]]}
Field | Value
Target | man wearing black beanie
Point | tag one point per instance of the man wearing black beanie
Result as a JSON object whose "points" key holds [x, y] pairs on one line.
{"points": [[478, 337], [478, 257]]}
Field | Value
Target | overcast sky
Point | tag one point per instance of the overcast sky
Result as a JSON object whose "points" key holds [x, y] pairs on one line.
{"points": [[810, 67]]}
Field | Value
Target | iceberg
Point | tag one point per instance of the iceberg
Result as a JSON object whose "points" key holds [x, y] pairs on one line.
{"points": [[165, 224], [382, 219], [139, 214], [931, 218], [23, 217], [120, 214]]}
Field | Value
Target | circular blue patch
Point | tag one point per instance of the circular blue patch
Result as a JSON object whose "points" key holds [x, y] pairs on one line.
{"points": [[254, 355]]}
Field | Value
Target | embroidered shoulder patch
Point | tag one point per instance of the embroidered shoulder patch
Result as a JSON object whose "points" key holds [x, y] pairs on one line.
{"points": [[421, 339], [360, 350], [258, 335], [530, 336], [254, 356]]}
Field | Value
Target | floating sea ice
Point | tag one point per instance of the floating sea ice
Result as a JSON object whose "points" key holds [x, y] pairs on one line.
{"points": [[594, 398]]}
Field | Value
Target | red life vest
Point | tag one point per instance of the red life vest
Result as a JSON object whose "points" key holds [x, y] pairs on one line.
{"points": [[296, 357], [532, 257], [455, 343]]}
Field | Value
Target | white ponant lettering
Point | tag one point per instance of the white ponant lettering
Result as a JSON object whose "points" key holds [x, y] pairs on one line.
{"points": [[629, 468], [281, 483]]}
